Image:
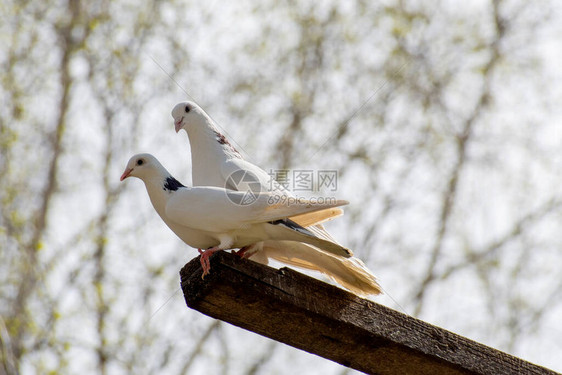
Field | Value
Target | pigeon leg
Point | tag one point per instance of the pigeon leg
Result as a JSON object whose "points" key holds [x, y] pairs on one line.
{"points": [[242, 251], [247, 251], [205, 262], [225, 243]]}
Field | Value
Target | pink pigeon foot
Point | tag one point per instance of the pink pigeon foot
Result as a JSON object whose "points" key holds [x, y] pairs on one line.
{"points": [[242, 251], [205, 262], [247, 251]]}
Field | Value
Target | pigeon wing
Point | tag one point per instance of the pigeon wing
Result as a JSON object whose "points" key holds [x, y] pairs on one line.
{"points": [[218, 210]]}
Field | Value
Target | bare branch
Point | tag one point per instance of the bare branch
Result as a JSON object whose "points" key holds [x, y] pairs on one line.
{"points": [[517, 229], [463, 140], [199, 346]]}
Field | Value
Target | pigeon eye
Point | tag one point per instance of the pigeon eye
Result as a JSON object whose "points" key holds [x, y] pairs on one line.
{"points": [[187, 109], [140, 162]]}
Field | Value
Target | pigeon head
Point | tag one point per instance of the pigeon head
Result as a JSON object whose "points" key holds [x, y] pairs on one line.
{"points": [[141, 166], [187, 114]]}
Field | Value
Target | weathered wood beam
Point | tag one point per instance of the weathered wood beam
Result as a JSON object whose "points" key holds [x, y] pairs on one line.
{"points": [[322, 319]]}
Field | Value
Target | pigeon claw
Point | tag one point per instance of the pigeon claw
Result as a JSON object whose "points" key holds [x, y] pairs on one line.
{"points": [[205, 260], [242, 251], [247, 251]]}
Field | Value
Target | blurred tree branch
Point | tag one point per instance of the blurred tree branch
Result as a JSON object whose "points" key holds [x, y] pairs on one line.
{"points": [[463, 140], [451, 166], [20, 316], [199, 346]]}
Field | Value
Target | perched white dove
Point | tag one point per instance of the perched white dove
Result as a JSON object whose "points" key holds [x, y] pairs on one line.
{"points": [[214, 163], [210, 217]]}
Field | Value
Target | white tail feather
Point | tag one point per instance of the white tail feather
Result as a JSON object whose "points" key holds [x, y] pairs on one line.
{"points": [[318, 217], [351, 273]]}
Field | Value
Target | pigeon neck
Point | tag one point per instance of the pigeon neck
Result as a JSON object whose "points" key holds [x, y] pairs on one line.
{"points": [[207, 139], [159, 186], [209, 150]]}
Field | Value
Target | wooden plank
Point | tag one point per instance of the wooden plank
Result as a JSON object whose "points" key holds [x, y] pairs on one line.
{"points": [[322, 319]]}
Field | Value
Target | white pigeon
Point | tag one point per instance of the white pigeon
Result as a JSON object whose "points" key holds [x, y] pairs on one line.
{"points": [[211, 218], [215, 161]]}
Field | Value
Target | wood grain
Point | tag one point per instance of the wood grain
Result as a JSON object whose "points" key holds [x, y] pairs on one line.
{"points": [[330, 322]]}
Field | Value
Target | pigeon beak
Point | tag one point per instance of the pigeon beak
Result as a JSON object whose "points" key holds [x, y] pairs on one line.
{"points": [[178, 124], [126, 174]]}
